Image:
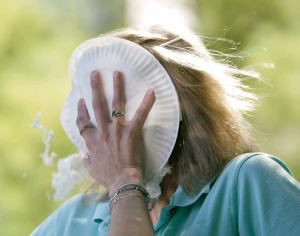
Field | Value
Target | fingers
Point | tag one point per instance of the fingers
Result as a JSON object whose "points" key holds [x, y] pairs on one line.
{"points": [[83, 118], [98, 100], [143, 110], [87, 160], [118, 102]]}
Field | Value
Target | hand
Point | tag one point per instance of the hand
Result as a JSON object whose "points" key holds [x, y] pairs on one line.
{"points": [[116, 151]]}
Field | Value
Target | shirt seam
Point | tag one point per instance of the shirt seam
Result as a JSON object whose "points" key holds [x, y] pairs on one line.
{"points": [[236, 195]]}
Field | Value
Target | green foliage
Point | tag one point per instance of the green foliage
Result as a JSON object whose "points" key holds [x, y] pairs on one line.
{"points": [[267, 31], [34, 60]]}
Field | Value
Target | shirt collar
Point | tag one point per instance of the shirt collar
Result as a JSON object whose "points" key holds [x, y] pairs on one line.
{"points": [[102, 216], [179, 199], [101, 212]]}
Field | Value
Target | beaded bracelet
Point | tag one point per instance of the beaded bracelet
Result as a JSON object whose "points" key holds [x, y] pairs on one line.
{"points": [[128, 195], [126, 187]]}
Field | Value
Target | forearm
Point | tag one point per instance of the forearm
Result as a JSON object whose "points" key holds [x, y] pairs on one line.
{"points": [[130, 216]]}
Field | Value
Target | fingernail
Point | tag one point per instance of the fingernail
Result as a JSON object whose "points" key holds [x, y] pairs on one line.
{"points": [[150, 93], [87, 156], [94, 75], [116, 75]]}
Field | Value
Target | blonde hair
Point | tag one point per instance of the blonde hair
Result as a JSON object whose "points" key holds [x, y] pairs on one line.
{"points": [[212, 100]]}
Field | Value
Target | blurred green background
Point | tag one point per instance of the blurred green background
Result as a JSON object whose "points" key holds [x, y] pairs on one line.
{"points": [[38, 37]]}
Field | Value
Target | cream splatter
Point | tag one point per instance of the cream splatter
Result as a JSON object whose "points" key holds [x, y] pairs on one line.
{"points": [[46, 155], [70, 173], [71, 170]]}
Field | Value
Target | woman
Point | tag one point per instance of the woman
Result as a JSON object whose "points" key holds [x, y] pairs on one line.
{"points": [[219, 185]]}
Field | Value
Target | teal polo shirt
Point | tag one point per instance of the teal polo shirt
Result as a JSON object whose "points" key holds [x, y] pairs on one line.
{"points": [[255, 194]]}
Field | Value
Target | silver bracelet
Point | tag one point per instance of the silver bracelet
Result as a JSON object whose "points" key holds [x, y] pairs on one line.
{"points": [[128, 195], [127, 187]]}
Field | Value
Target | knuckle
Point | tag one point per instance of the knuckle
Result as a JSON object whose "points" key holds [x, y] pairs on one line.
{"points": [[117, 105]]}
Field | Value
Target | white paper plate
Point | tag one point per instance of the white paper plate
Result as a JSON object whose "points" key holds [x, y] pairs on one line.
{"points": [[141, 71]]}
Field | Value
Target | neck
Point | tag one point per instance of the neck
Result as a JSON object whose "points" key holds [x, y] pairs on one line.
{"points": [[168, 188]]}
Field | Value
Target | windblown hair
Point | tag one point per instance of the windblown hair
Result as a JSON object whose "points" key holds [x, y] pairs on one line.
{"points": [[212, 100]]}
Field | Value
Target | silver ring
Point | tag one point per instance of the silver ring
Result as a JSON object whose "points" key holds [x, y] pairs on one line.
{"points": [[86, 126], [116, 113]]}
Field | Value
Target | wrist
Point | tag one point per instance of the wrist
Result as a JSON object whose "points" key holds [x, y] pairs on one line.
{"points": [[126, 177]]}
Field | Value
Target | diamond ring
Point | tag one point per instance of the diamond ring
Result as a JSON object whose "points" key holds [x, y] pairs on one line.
{"points": [[116, 113]]}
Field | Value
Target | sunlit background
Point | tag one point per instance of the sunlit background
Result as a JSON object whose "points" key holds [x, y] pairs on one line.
{"points": [[37, 38]]}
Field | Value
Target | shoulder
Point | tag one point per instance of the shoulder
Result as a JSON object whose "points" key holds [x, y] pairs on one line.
{"points": [[77, 207], [71, 212], [264, 194], [75, 202], [256, 163], [71, 206], [253, 167], [258, 172]]}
